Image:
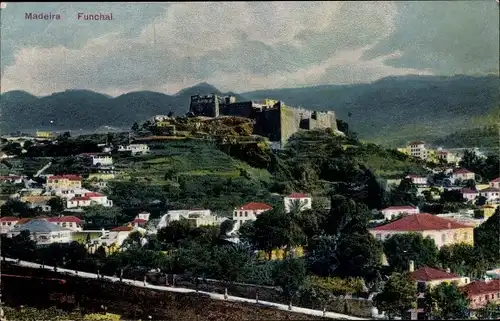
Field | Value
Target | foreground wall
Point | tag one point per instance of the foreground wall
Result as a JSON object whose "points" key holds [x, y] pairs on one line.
{"points": [[130, 302]]}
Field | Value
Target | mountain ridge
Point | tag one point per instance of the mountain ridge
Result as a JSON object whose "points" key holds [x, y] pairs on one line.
{"points": [[399, 106]]}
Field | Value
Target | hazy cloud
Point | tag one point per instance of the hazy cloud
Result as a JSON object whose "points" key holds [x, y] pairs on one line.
{"points": [[243, 46]]}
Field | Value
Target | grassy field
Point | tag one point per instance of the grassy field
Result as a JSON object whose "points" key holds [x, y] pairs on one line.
{"points": [[193, 158]]}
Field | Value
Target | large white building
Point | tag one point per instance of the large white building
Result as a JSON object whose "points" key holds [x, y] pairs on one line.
{"points": [[70, 222], [43, 232], [80, 197], [492, 194], [304, 201], [199, 217], [417, 149], [99, 159]]}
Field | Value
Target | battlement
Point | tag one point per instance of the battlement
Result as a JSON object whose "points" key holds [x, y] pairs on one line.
{"points": [[272, 118]]}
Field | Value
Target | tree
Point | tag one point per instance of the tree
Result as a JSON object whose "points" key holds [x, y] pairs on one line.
{"points": [[56, 204], [135, 127], [23, 247], [359, 255], [346, 216], [397, 297], [322, 255], [446, 302], [290, 275], [405, 193], [175, 232], [452, 196], [232, 261], [470, 183], [481, 200], [400, 249], [462, 259], [485, 236]]}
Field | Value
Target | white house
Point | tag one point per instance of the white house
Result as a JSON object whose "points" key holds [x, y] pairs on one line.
{"points": [[116, 235], [393, 211], [304, 199], [98, 199], [100, 159], [43, 232], [249, 212], [8, 223], [462, 174], [495, 183], [13, 179], [199, 217], [469, 194], [417, 180], [143, 216], [78, 201], [135, 149], [70, 222], [491, 193]]}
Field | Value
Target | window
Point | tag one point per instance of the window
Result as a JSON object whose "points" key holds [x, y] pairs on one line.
{"points": [[379, 236], [246, 214], [443, 238], [63, 224]]}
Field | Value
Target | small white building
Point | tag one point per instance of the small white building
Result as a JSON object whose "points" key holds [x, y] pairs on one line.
{"points": [[462, 174], [78, 201], [143, 216], [98, 199], [495, 183], [8, 223], [99, 159], [116, 235], [469, 194], [199, 217], [135, 149], [491, 194], [304, 200], [249, 212], [394, 211], [43, 232], [70, 222], [13, 179], [417, 180]]}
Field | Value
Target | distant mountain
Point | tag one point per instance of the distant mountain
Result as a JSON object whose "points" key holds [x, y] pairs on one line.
{"points": [[390, 110], [393, 110], [82, 109]]}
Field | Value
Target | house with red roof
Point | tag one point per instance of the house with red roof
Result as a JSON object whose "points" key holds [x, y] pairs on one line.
{"points": [[480, 293], [303, 201], [394, 211], [491, 194], [143, 216], [469, 194], [462, 174], [13, 179], [495, 183], [138, 222], [78, 201], [443, 231], [71, 222], [67, 181], [249, 212], [428, 277]]}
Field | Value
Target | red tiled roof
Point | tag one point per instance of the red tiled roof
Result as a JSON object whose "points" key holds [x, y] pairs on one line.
{"points": [[139, 221], [253, 206], [9, 219], [80, 198], [65, 219], [481, 287], [462, 171], [125, 228], [23, 220], [426, 273], [10, 177], [400, 208], [490, 189], [496, 180], [298, 195], [93, 194], [420, 222], [468, 191], [68, 177]]}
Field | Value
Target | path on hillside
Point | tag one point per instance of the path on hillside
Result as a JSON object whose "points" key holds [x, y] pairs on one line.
{"points": [[215, 296]]}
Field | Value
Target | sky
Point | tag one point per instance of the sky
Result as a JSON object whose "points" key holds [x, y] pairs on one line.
{"points": [[243, 46]]}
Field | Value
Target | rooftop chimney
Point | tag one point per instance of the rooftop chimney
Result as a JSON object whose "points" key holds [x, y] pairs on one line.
{"points": [[448, 270], [412, 266], [449, 225]]}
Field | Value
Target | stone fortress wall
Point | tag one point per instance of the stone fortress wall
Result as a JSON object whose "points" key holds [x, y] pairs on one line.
{"points": [[272, 119]]}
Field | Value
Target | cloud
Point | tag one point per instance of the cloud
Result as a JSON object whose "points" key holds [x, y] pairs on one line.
{"points": [[234, 45]]}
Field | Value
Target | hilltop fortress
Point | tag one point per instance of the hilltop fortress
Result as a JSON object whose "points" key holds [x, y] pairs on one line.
{"points": [[271, 118]]}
